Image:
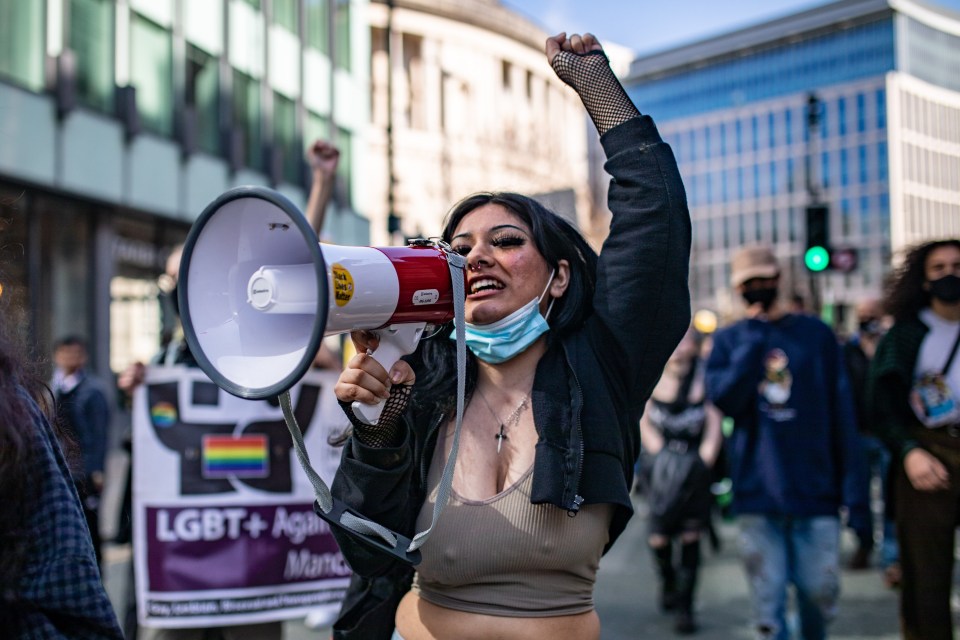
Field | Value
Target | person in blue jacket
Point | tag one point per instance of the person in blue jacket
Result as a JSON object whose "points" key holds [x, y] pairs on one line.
{"points": [[794, 454]]}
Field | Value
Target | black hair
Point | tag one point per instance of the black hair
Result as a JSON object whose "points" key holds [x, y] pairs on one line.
{"points": [[20, 387], [71, 341], [904, 294], [556, 240]]}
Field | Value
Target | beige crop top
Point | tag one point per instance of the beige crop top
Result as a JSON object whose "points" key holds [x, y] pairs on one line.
{"points": [[505, 556]]}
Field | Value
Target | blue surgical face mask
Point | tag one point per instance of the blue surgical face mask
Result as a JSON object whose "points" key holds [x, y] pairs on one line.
{"points": [[502, 340]]}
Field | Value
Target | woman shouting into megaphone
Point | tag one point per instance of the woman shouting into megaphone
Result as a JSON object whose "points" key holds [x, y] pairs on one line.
{"points": [[564, 349]]}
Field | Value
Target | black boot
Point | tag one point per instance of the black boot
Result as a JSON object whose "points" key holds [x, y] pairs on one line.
{"points": [[668, 576], [686, 585]]}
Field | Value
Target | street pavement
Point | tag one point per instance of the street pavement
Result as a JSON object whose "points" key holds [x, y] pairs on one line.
{"points": [[626, 594]]}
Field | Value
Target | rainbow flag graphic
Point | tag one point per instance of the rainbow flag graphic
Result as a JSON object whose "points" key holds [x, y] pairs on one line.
{"points": [[163, 414], [242, 457]]}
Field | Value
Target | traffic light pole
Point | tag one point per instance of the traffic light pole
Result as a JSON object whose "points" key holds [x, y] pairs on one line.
{"points": [[813, 186]]}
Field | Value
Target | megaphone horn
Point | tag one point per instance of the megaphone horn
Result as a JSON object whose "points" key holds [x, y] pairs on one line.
{"points": [[258, 292]]}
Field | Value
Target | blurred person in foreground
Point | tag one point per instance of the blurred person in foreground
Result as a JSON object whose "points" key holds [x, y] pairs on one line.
{"points": [[794, 454], [50, 583], [858, 352], [83, 408], [914, 396], [680, 432], [564, 348], [323, 158]]}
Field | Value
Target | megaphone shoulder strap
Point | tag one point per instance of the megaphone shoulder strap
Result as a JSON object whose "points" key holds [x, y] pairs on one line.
{"points": [[339, 514]]}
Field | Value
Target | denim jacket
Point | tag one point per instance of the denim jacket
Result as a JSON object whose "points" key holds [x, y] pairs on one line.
{"points": [[589, 389]]}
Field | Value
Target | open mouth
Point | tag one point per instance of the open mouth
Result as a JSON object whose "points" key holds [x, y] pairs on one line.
{"points": [[485, 284]]}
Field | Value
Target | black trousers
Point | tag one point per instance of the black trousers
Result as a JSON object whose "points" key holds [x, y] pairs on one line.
{"points": [[926, 525]]}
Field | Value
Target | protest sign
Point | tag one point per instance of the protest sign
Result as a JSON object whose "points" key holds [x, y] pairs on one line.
{"points": [[224, 528]]}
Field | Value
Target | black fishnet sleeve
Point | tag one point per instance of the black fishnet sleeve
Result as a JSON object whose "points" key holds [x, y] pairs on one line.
{"points": [[388, 432], [602, 94]]}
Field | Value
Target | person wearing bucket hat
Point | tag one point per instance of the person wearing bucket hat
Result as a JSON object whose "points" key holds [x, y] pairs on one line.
{"points": [[794, 454]]}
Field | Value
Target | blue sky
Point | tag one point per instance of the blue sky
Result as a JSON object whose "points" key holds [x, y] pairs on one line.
{"points": [[645, 25]]}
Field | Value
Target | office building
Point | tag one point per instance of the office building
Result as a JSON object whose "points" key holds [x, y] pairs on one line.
{"points": [[120, 120], [881, 80], [463, 100]]}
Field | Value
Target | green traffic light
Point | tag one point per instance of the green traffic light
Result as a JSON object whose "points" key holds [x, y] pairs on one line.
{"points": [[817, 258]]}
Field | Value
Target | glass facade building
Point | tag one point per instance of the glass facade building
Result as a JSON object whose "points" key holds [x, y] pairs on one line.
{"points": [[735, 110], [123, 119]]}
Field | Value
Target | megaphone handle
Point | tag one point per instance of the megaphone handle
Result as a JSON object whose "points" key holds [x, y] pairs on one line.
{"points": [[395, 341]]}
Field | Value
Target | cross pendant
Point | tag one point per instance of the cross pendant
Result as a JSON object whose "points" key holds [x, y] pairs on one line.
{"points": [[500, 438]]}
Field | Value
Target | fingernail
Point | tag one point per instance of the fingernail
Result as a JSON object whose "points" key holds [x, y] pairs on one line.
{"points": [[396, 376]]}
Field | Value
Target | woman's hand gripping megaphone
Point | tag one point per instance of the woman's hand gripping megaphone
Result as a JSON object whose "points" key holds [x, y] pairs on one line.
{"points": [[364, 381]]}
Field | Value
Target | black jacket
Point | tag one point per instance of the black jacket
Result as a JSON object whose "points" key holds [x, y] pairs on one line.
{"points": [[589, 390]]}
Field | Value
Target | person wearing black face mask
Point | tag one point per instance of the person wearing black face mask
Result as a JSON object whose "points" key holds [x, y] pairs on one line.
{"points": [[794, 453], [914, 398], [858, 351]]}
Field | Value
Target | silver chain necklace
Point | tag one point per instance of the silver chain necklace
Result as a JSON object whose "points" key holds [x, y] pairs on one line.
{"points": [[511, 420]]}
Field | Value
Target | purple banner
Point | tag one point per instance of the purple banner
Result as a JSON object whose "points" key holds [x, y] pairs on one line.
{"points": [[238, 547]]}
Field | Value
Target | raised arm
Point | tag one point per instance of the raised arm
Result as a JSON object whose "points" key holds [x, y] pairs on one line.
{"points": [[323, 157], [642, 299]]}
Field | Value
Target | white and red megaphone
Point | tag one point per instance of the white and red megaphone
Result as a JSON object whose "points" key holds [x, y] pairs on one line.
{"points": [[257, 293]]}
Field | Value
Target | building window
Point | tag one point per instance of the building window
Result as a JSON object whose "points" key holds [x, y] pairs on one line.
{"points": [[246, 118], [739, 136], [788, 126], [862, 162], [825, 170], [844, 168], [285, 15], [91, 39], [882, 161], [772, 130], [881, 99], [885, 215], [317, 18], [285, 142], [723, 139], [864, 216], [341, 21], [202, 93], [21, 42], [774, 227], [861, 113], [842, 116], [344, 142], [315, 127], [845, 217], [151, 72], [416, 107], [791, 183], [754, 133]]}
